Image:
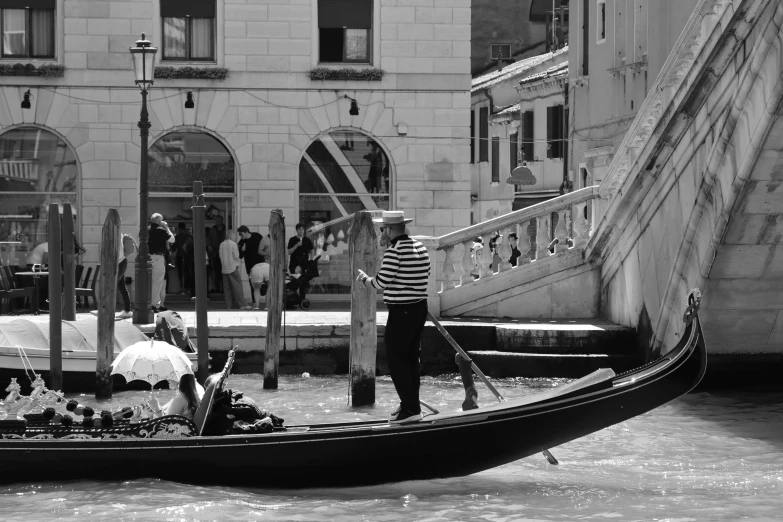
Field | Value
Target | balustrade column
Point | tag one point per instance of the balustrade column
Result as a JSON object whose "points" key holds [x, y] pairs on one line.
{"points": [[542, 238], [504, 250], [561, 232], [581, 228], [448, 268], [467, 263], [485, 259], [523, 244]]}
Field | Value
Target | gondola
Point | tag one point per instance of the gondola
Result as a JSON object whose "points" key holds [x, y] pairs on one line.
{"points": [[357, 453]]}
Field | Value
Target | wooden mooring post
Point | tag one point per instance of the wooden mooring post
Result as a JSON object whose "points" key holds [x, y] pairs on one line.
{"points": [[200, 266], [275, 298], [55, 300], [107, 299], [363, 252], [69, 268]]}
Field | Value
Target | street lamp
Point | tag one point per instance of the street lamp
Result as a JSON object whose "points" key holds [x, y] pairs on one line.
{"points": [[143, 67]]}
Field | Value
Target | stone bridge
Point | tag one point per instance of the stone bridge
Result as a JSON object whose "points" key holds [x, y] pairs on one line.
{"points": [[693, 198]]}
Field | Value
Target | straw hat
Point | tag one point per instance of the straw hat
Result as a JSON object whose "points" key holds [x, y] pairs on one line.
{"points": [[392, 217]]}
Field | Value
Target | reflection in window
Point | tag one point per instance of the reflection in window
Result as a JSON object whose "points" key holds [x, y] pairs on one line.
{"points": [[341, 173], [188, 30], [180, 158], [28, 33], [344, 29], [37, 168]]}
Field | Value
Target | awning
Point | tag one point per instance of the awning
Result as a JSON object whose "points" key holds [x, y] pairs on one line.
{"points": [[77, 336]]}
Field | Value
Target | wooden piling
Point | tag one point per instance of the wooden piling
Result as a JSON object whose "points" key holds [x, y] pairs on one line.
{"points": [[55, 301], [275, 298], [363, 252], [107, 299], [69, 268], [200, 267]]}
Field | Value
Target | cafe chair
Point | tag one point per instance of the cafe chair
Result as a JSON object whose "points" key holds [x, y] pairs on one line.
{"points": [[10, 294], [88, 288]]}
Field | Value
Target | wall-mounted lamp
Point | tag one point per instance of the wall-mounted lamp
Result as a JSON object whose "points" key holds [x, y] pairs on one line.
{"points": [[26, 100], [354, 110], [189, 101]]}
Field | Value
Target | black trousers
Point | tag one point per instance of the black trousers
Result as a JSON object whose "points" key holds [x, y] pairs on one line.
{"points": [[403, 347]]}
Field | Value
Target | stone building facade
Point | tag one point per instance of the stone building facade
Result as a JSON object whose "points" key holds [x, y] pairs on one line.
{"points": [[269, 132]]}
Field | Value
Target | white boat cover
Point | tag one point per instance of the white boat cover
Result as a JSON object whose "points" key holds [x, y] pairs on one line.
{"points": [[77, 336]]}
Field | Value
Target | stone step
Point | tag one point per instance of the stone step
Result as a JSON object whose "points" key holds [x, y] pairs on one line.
{"points": [[505, 364], [586, 337]]}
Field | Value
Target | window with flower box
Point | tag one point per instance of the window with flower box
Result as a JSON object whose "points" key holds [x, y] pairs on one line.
{"points": [[188, 30], [28, 28]]}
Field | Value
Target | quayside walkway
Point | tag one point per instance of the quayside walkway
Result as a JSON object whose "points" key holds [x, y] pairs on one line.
{"points": [[318, 342]]}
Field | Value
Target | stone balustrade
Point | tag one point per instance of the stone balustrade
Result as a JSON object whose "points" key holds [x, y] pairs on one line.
{"points": [[533, 226]]}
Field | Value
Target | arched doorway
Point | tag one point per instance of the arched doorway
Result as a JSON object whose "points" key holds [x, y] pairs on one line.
{"points": [[37, 168], [176, 160], [342, 172]]}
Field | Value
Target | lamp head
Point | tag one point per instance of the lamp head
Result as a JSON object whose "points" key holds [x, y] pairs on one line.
{"points": [[354, 111], [143, 56], [189, 101], [26, 100]]}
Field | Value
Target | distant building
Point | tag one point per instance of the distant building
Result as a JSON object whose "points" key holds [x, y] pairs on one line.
{"points": [[503, 32]]}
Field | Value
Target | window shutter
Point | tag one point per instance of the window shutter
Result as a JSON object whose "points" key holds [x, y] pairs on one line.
{"points": [[551, 129], [495, 159], [32, 4], [484, 134], [472, 136], [527, 137], [513, 151], [351, 14], [181, 9]]}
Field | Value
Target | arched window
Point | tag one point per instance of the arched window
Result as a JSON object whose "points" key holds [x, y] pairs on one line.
{"points": [[37, 168], [179, 158], [341, 172]]}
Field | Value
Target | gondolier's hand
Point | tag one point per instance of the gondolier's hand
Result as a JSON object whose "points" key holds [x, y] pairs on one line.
{"points": [[362, 277]]}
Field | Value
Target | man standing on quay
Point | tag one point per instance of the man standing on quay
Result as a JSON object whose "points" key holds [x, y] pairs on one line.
{"points": [[403, 277], [159, 238], [251, 246]]}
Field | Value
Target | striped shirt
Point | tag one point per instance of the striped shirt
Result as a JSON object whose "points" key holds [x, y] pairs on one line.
{"points": [[404, 272]]}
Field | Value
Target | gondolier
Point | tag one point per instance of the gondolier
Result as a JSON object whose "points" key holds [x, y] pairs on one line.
{"points": [[403, 277]]}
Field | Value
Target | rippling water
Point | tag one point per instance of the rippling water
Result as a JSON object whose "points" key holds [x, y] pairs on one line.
{"points": [[703, 457]]}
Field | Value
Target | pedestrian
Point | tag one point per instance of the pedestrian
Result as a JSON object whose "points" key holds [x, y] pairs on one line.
{"points": [[128, 247], [170, 328], [217, 234], [159, 238], [299, 248], [180, 255], [232, 281], [259, 283], [515, 253], [403, 277], [249, 246], [494, 246]]}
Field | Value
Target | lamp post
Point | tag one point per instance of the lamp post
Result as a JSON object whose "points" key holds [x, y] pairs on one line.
{"points": [[143, 66]]}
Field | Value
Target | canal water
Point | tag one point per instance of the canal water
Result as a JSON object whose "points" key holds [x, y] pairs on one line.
{"points": [[706, 456]]}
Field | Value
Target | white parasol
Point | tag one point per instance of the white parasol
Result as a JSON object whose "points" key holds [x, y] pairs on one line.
{"points": [[151, 361]]}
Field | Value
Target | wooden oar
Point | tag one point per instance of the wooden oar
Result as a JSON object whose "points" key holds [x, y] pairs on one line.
{"points": [[464, 355], [549, 457]]}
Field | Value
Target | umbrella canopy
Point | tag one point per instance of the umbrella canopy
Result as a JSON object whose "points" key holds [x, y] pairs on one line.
{"points": [[151, 361]]}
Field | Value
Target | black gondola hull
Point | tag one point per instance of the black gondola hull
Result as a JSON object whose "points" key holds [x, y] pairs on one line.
{"points": [[328, 455]]}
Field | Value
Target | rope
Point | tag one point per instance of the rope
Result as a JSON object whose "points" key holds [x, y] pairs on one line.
{"points": [[25, 363]]}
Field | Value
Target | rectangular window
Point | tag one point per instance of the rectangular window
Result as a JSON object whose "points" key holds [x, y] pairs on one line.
{"points": [[601, 21], [528, 150], [188, 30], [344, 31], [28, 28], [483, 134], [585, 36], [500, 51], [472, 136], [495, 159], [513, 151], [554, 131]]}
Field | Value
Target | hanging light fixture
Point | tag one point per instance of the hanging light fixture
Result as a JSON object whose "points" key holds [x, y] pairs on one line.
{"points": [[354, 110], [189, 101], [26, 100]]}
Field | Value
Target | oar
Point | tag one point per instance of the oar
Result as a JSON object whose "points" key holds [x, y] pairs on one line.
{"points": [[464, 355]]}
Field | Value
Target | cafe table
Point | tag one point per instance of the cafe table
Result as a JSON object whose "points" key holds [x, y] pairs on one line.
{"points": [[37, 294]]}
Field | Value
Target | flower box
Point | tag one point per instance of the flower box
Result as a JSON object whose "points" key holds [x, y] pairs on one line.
{"points": [[46, 70], [191, 73], [347, 73]]}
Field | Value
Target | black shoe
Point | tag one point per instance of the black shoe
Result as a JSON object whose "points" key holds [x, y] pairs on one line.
{"points": [[162, 309], [396, 412], [406, 417]]}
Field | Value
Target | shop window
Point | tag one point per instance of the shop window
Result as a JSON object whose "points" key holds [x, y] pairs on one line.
{"points": [[188, 30], [28, 28], [179, 158], [341, 173], [37, 168], [344, 31]]}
